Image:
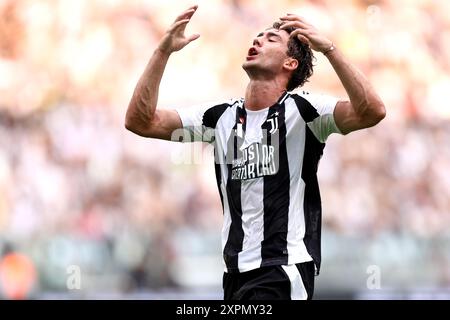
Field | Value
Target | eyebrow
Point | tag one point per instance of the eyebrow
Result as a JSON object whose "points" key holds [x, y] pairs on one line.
{"points": [[269, 34]]}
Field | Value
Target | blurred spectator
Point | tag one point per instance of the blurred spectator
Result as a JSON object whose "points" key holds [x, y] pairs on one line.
{"points": [[17, 275]]}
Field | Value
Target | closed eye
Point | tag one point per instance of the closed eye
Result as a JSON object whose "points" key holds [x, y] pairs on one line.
{"points": [[273, 36]]}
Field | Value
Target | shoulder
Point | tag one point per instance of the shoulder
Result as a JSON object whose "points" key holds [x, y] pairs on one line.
{"points": [[212, 115], [314, 103], [304, 104], [304, 96]]}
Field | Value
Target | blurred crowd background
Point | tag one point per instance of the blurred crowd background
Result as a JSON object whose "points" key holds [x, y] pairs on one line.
{"points": [[142, 218]]}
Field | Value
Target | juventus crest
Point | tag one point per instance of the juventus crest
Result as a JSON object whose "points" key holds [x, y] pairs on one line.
{"points": [[273, 121]]}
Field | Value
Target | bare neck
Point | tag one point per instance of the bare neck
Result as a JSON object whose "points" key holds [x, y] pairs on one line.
{"points": [[263, 94]]}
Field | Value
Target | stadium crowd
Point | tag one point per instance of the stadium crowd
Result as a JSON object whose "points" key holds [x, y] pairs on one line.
{"points": [[77, 189]]}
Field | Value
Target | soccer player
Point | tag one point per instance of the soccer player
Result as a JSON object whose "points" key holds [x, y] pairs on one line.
{"points": [[267, 149]]}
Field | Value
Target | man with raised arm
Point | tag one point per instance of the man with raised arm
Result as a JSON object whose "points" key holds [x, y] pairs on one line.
{"points": [[267, 148]]}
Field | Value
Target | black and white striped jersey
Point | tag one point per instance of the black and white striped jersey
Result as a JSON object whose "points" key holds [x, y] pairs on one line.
{"points": [[266, 168]]}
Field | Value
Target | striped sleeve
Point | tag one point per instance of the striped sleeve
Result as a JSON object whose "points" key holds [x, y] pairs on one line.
{"points": [[323, 124], [199, 122]]}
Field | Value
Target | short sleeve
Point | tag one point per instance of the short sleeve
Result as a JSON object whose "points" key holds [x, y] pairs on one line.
{"points": [[323, 123], [199, 122]]}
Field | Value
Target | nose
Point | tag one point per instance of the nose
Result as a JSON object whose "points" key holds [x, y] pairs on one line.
{"points": [[257, 42]]}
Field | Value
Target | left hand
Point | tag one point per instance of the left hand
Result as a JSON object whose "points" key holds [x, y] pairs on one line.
{"points": [[306, 33]]}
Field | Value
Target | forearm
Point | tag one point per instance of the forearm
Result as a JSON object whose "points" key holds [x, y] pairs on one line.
{"points": [[365, 108], [143, 103], [364, 100]]}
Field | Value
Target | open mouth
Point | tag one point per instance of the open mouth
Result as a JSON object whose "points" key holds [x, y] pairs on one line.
{"points": [[252, 52]]}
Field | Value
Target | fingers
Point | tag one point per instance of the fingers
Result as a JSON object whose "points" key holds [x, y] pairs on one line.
{"points": [[295, 21], [182, 20], [292, 17], [177, 31], [301, 30], [178, 25], [187, 14], [294, 24], [300, 34], [305, 32], [193, 37]]}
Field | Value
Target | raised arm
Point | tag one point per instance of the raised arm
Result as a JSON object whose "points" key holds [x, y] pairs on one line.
{"points": [[365, 108], [142, 117]]}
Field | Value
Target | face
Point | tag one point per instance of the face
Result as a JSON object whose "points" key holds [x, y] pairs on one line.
{"points": [[267, 55]]}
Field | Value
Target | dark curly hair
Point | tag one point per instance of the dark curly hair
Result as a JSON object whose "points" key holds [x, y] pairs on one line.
{"points": [[303, 53]]}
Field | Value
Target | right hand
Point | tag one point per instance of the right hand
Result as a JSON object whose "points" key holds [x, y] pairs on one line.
{"points": [[175, 39]]}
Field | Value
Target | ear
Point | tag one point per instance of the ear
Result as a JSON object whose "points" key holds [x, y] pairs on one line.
{"points": [[290, 64]]}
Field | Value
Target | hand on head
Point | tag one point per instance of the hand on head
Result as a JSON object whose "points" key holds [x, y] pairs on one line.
{"points": [[305, 32]]}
